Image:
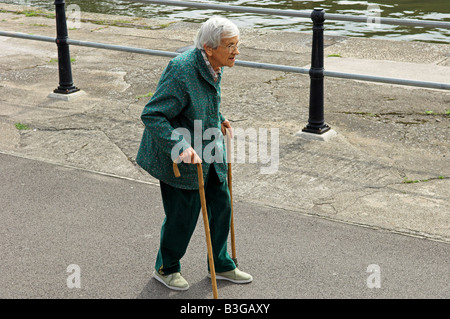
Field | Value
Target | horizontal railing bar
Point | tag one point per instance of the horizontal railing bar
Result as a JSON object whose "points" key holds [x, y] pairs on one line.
{"points": [[301, 14], [27, 36], [273, 67], [249, 64], [122, 48], [371, 78], [91, 44]]}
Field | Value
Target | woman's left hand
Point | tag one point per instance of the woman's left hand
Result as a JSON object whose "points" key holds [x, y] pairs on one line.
{"points": [[226, 128]]}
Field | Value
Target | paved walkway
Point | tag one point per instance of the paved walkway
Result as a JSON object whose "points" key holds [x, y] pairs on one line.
{"points": [[55, 216]]}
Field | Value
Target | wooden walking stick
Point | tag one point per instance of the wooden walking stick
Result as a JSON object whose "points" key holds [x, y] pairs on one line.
{"points": [[230, 187], [201, 187]]}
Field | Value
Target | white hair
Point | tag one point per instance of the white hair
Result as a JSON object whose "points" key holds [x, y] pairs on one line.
{"points": [[213, 31]]}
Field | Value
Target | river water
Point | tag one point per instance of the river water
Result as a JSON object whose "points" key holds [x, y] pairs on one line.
{"points": [[438, 10]]}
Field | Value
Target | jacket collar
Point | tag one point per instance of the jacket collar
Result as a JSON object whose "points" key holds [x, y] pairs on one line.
{"points": [[204, 71], [213, 72]]}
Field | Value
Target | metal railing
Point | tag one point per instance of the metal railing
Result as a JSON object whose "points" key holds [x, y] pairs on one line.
{"points": [[242, 63], [316, 122]]}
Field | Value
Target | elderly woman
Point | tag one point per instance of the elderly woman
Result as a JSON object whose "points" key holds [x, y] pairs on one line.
{"points": [[187, 101]]}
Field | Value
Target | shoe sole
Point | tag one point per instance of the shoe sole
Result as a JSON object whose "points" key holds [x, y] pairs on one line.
{"points": [[218, 277], [170, 287]]}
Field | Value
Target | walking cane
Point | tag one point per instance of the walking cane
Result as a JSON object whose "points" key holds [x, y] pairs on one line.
{"points": [[201, 188], [230, 187]]}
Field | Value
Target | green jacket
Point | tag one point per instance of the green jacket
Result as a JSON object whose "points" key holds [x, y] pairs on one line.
{"points": [[185, 93]]}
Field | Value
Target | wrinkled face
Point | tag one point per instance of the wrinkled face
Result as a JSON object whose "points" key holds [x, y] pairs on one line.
{"points": [[225, 54]]}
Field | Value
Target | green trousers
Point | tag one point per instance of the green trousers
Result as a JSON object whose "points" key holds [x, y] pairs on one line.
{"points": [[182, 208]]}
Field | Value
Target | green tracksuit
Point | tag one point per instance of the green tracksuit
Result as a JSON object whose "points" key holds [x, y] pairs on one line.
{"points": [[186, 93]]}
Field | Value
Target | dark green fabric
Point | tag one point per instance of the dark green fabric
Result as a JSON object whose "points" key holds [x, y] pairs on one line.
{"points": [[185, 93], [182, 208]]}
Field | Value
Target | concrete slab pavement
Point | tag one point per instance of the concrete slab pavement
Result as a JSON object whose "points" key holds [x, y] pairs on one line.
{"points": [[391, 69], [387, 135]]}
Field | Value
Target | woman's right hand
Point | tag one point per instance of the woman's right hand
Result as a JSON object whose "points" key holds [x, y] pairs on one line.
{"points": [[189, 156]]}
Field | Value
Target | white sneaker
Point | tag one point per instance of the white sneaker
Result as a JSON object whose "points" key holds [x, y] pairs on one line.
{"points": [[235, 275], [173, 281]]}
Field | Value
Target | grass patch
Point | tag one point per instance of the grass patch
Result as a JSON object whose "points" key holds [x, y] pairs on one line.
{"points": [[166, 25], [55, 60], [431, 112], [36, 13], [280, 78], [21, 126], [122, 21], [414, 181], [149, 94], [32, 13]]}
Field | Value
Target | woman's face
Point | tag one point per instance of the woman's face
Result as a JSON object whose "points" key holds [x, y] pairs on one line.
{"points": [[224, 54]]}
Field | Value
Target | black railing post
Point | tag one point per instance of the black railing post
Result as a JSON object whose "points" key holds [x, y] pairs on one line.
{"points": [[316, 122], [64, 65]]}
